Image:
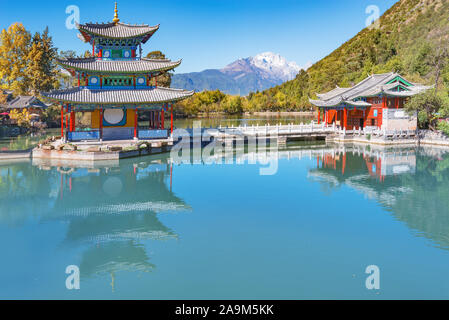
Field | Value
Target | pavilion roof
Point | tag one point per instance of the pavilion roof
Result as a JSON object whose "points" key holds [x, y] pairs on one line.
{"points": [[117, 30], [118, 96], [21, 102], [372, 86], [118, 66]]}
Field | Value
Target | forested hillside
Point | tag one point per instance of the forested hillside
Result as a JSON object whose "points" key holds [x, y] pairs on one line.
{"points": [[412, 38]]}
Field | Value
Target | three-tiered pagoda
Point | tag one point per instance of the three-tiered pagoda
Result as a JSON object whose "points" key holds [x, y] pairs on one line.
{"points": [[116, 84]]}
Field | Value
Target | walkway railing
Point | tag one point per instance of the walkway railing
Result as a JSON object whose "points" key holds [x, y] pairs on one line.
{"points": [[278, 129], [313, 129]]}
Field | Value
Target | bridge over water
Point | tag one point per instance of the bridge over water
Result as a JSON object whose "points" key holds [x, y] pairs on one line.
{"points": [[293, 132]]}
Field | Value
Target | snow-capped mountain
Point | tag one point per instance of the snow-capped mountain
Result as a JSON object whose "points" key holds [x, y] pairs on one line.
{"points": [[276, 65], [243, 76]]}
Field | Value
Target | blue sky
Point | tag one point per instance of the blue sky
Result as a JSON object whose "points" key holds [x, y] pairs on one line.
{"points": [[210, 34]]}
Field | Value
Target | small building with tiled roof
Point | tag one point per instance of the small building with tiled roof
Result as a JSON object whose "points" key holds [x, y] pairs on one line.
{"points": [[116, 84], [31, 103], [376, 102]]}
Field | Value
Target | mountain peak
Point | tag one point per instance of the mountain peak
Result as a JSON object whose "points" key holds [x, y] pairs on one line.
{"points": [[242, 76], [267, 65], [276, 65]]}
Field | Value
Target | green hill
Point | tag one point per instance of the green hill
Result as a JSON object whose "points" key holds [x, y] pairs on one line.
{"points": [[411, 33]]}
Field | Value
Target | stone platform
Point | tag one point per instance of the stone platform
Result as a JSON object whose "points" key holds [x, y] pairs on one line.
{"points": [[111, 150]]}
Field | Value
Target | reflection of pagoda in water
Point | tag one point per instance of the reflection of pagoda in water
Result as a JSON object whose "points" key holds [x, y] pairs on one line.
{"points": [[110, 211], [119, 213]]}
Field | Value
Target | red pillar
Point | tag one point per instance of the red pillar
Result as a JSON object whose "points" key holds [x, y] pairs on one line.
{"points": [[345, 117], [93, 49], [379, 116], [67, 118], [62, 121], [72, 120], [171, 118], [135, 123], [162, 119], [319, 115]]}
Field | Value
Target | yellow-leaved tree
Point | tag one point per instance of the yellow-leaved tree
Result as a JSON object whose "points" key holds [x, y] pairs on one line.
{"points": [[14, 49], [22, 117]]}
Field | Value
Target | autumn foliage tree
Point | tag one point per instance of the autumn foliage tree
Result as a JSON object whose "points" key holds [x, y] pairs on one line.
{"points": [[27, 63], [14, 50]]}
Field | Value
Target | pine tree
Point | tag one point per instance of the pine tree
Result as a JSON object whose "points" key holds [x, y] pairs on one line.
{"points": [[41, 72], [49, 66]]}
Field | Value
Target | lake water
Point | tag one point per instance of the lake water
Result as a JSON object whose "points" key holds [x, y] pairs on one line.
{"points": [[148, 228]]}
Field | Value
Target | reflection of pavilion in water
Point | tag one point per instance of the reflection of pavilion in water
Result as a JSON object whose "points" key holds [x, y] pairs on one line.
{"points": [[378, 163], [372, 171], [111, 210], [412, 184]]}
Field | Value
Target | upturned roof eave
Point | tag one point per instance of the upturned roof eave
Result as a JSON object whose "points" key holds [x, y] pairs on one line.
{"points": [[116, 103], [187, 94], [323, 104], [81, 27], [69, 67]]}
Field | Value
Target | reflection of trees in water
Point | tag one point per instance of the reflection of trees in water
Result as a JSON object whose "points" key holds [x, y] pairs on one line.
{"points": [[419, 198], [426, 208], [25, 192]]}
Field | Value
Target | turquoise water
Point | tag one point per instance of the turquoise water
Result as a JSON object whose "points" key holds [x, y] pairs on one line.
{"points": [[26, 141], [147, 228]]}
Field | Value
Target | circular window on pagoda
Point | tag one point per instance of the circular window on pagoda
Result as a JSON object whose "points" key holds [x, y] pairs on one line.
{"points": [[127, 54], [106, 54], [94, 80], [141, 80], [114, 116]]}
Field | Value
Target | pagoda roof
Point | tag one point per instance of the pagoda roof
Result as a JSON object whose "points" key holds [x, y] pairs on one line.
{"points": [[80, 95], [118, 66], [372, 86], [117, 30]]}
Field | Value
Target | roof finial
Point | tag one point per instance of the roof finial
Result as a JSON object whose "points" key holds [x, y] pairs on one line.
{"points": [[116, 19]]}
